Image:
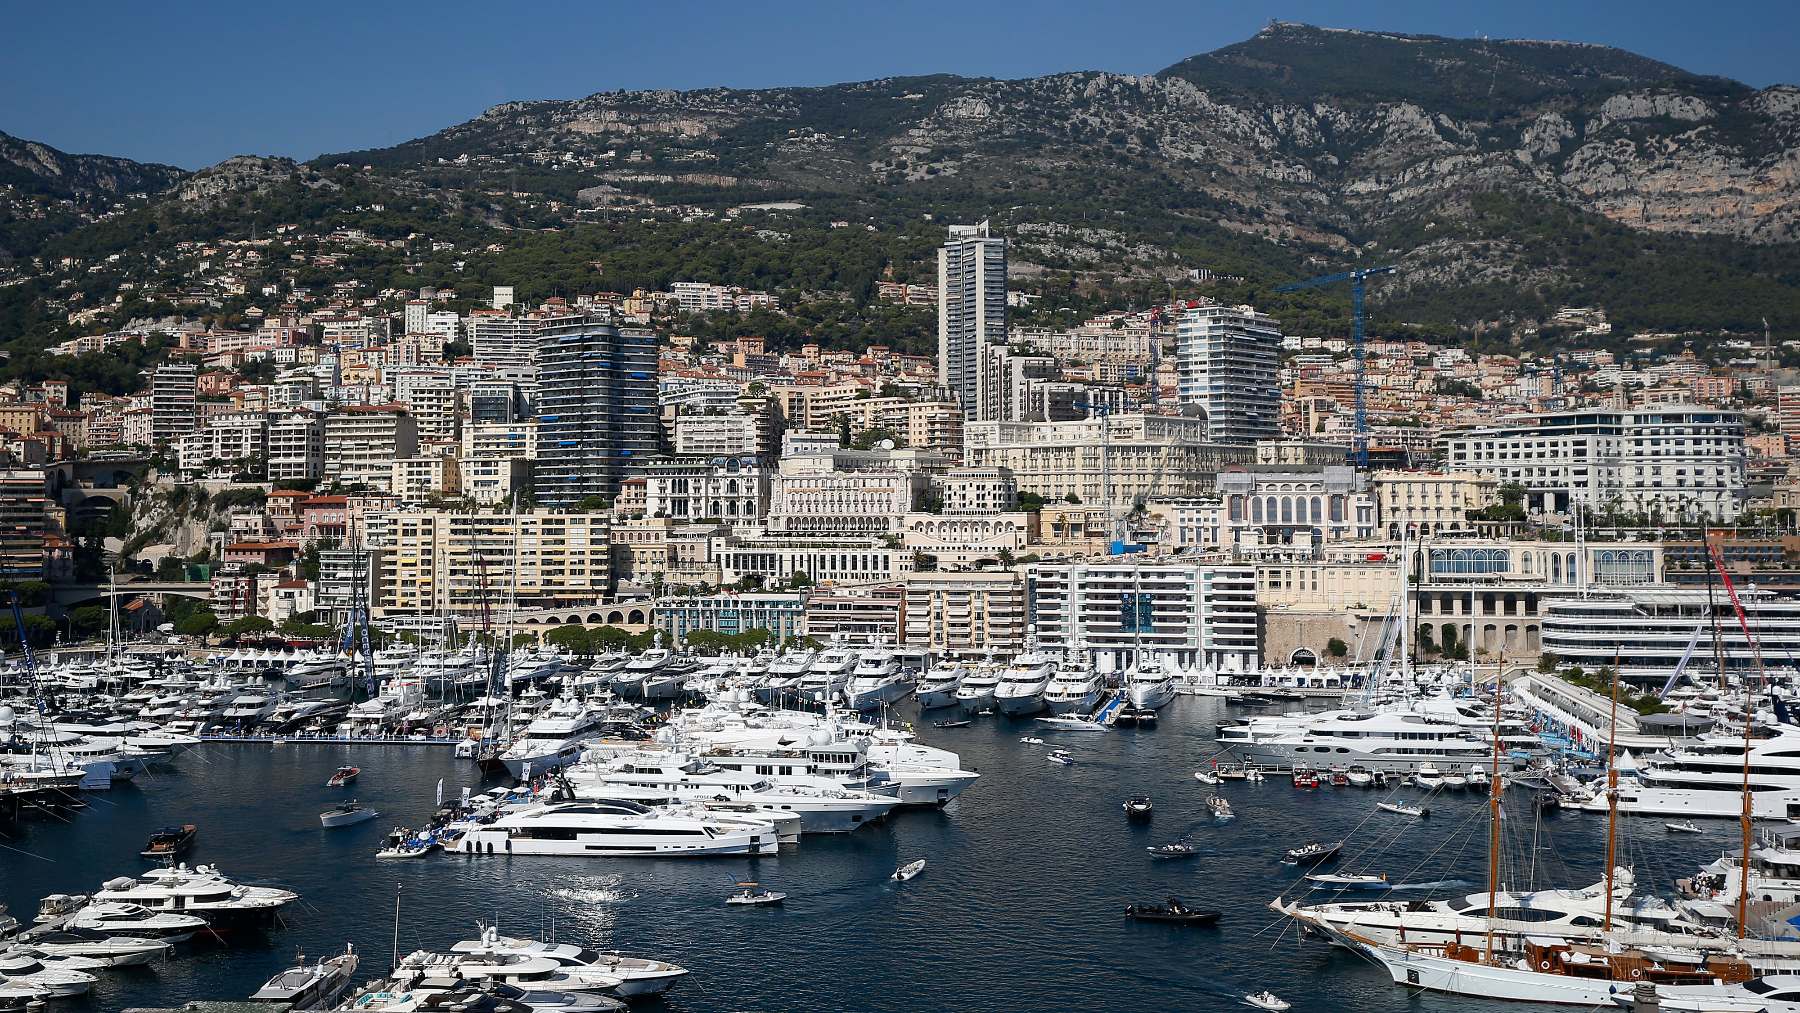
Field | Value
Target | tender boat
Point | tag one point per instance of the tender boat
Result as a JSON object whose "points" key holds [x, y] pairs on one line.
{"points": [[1681, 827], [1267, 1000], [343, 776], [1178, 849], [169, 842], [1174, 911], [1206, 777], [952, 724], [908, 871], [1403, 809], [749, 895], [1221, 809], [1062, 756], [1312, 854], [1428, 777], [314, 986], [1335, 881], [1138, 807], [346, 814], [1031, 740]]}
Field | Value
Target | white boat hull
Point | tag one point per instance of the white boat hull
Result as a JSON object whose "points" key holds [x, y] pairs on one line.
{"points": [[1154, 696], [1021, 705]]}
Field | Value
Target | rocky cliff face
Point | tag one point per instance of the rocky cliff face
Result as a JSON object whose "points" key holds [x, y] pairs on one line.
{"points": [[40, 168], [1300, 131]]}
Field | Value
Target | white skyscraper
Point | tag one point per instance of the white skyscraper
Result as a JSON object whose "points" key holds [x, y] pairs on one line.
{"points": [[971, 308], [1229, 358]]}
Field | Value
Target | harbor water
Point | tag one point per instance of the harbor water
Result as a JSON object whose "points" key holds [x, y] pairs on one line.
{"points": [[1019, 908]]}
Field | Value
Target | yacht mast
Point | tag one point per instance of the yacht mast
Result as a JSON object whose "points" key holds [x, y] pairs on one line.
{"points": [[1495, 787], [1612, 787], [1743, 904]]}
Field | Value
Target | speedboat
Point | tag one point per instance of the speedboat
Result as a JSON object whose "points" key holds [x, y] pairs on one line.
{"points": [[1206, 777], [1174, 911], [313, 986], [1312, 854], [1267, 1000], [1221, 809], [1178, 849], [750, 895], [1428, 777], [1138, 807], [165, 844], [346, 814], [1338, 881], [1403, 809], [908, 871], [1062, 756], [1681, 827], [343, 776]]}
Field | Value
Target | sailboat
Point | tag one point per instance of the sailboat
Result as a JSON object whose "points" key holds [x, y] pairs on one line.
{"points": [[1549, 969]]}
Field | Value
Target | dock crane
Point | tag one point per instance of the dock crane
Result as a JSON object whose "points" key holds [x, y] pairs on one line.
{"points": [[1359, 450]]}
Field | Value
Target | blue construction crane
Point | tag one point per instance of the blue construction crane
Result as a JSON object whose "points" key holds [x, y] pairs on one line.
{"points": [[1359, 449]]}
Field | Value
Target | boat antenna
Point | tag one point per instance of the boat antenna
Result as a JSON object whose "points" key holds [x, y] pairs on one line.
{"points": [[1612, 786], [1495, 787]]}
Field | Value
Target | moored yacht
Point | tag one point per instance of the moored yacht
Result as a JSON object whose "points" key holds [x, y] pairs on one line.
{"points": [[553, 739], [1398, 741], [616, 828], [1074, 689], [938, 687], [824, 805], [199, 891], [978, 685], [638, 976], [829, 674], [1020, 691], [1150, 685], [876, 682]]}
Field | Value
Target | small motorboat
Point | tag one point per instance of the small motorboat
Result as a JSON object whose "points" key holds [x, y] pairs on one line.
{"points": [[1335, 881], [1428, 777], [1206, 777], [1312, 854], [749, 894], [169, 842], [1267, 1000], [1174, 911], [343, 777], [1340, 779], [1062, 756], [1221, 809], [1478, 779], [1456, 782], [908, 871], [346, 814], [1304, 778], [1138, 807], [964, 723], [1681, 827], [1032, 740], [1403, 809], [1359, 778], [403, 843], [1178, 849], [1253, 775]]}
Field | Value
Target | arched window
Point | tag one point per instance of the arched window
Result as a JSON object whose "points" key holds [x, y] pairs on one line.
{"points": [[1237, 508], [1318, 510], [1256, 511], [1337, 508], [1287, 510], [1556, 568]]}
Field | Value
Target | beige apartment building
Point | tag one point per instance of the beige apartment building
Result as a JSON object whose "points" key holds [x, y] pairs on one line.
{"points": [[442, 562]]}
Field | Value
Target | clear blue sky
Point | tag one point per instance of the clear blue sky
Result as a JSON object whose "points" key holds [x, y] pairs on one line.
{"points": [[193, 82]]}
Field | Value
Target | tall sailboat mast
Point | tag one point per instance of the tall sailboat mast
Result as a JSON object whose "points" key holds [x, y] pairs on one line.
{"points": [[1743, 904], [1612, 786], [1495, 787]]}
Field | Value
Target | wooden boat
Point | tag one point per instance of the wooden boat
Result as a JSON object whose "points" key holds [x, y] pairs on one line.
{"points": [[1177, 849], [749, 895], [344, 776], [1312, 854], [908, 871], [1138, 807], [169, 842], [1174, 912]]}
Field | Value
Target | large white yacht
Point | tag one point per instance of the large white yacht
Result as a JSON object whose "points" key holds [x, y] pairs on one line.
{"points": [[1400, 741], [637, 975], [785, 675], [629, 680], [532, 973], [136, 921], [829, 674], [554, 738], [1151, 685], [615, 828], [978, 686], [1074, 689], [1021, 688], [823, 804], [198, 891], [1706, 778], [876, 682], [937, 688]]}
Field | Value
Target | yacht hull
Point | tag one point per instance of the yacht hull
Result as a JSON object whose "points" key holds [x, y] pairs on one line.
{"points": [[1022, 705], [936, 697], [1073, 705], [1154, 696]]}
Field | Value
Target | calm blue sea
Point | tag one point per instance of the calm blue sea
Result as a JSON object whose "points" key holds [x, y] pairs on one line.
{"points": [[1019, 908]]}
